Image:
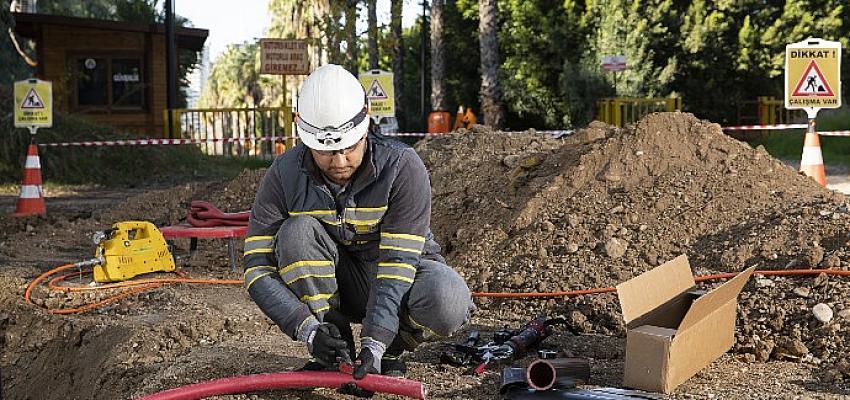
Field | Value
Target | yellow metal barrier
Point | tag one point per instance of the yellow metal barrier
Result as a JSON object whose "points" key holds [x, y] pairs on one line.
{"points": [[620, 111], [240, 127], [772, 111]]}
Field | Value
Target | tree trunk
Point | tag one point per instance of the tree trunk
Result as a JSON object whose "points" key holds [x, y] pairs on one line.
{"points": [[398, 59], [372, 6], [332, 29], [491, 89], [351, 47], [438, 89]]}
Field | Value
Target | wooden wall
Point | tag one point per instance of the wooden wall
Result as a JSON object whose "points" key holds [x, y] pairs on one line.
{"points": [[60, 43]]}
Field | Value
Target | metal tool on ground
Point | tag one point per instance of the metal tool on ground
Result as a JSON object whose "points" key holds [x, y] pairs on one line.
{"points": [[128, 249], [580, 394], [506, 345]]}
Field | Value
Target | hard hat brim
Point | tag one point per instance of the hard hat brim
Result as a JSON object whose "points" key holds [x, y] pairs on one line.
{"points": [[348, 138]]}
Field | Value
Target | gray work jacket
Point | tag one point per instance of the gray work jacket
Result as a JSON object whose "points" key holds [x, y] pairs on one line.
{"points": [[383, 217]]}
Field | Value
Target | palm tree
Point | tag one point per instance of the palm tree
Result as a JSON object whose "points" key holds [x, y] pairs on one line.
{"points": [[491, 89], [438, 90], [372, 10], [398, 59]]}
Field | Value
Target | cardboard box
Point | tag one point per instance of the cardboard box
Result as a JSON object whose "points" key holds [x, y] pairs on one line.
{"points": [[673, 330]]}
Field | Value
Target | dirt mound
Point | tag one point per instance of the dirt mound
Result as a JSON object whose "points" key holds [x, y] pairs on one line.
{"points": [[522, 212]]}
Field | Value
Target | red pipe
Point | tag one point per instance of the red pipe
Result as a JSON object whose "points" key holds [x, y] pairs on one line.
{"points": [[292, 380]]}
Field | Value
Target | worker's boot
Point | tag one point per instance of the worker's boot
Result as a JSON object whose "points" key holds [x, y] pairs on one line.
{"points": [[391, 363]]}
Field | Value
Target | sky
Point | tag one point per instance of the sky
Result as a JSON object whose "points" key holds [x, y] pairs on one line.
{"points": [[245, 20]]}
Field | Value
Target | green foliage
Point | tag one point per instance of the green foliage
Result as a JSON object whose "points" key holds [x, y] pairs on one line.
{"points": [[235, 80]]}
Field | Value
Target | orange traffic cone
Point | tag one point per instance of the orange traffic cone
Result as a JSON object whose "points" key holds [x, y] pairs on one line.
{"points": [[811, 163], [31, 200]]}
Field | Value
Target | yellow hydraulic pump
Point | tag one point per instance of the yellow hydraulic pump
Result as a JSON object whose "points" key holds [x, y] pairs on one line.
{"points": [[128, 249]]}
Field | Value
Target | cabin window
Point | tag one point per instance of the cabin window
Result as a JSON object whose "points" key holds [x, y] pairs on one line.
{"points": [[115, 83]]}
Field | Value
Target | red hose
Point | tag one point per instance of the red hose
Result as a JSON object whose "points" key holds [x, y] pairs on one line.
{"points": [[292, 380]]}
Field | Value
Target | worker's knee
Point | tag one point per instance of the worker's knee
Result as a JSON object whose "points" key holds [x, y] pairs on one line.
{"points": [[439, 300], [299, 232]]}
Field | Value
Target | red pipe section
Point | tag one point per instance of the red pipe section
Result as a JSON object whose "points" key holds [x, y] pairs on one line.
{"points": [[292, 380]]}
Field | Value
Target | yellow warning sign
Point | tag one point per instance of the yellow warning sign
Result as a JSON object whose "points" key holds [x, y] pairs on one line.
{"points": [[813, 74], [33, 104], [379, 90]]}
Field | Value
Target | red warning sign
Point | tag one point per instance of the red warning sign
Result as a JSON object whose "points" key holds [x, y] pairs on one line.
{"points": [[812, 83]]}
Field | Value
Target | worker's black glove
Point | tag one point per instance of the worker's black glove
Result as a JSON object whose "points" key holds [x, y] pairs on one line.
{"points": [[365, 364], [327, 344]]}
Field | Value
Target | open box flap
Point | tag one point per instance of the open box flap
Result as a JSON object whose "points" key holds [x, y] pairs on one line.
{"points": [[653, 288], [714, 299]]}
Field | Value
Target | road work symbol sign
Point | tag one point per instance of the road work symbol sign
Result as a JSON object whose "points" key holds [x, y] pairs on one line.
{"points": [[812, 75], [379, 90], [33, 104], [376, 91]]}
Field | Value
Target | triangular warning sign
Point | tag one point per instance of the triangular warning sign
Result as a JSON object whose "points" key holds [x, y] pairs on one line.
{"points": [[812, 83], [376, 91], [32, 100]]}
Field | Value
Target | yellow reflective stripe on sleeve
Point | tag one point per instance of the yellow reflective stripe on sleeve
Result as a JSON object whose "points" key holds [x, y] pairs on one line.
{"points": [[260, 250], [255, 279], [313, 212], [401, 278], [395, 264], [255, 238], [306, 263], [247, 271], [320, 296], [289, 282], [320, 309], [366, 209], [384, 247], [403, 236]]}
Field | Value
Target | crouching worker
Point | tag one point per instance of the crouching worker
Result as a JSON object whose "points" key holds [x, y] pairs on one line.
{"points": [[339, 233]]}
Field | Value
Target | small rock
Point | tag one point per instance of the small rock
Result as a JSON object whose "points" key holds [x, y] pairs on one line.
{"points": [[844, 314], [803, 292], [820, 280], [822, 312], [542, 253], [511, 160], [616, 210], [764, 283], [615, 248], [572, 248], [573, 220], [547, 226]]}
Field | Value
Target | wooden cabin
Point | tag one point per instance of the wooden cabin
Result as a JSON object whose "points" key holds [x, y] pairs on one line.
{"points": [[110, 72]]}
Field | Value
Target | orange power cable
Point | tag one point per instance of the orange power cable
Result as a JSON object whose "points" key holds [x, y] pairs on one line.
{"points": [[142, 285]]}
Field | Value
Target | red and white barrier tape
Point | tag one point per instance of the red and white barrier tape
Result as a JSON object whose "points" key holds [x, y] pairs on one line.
{"points": [[146, 142], [834, 133], [763, 127]]}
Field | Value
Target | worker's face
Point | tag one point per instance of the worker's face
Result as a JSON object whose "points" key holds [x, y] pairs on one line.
{"points": [[340, 165]]}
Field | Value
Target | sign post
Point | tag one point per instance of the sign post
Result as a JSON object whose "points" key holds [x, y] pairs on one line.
{"points": [[33, 104], [614, 64], [813, 82], [379, 90]]}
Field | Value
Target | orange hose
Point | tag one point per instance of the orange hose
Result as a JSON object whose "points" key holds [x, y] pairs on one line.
{"points": [[142, 285], [702, 278]]}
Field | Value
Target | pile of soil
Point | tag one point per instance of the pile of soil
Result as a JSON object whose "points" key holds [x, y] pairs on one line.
{"points": [[523, 213], [514, 212]]}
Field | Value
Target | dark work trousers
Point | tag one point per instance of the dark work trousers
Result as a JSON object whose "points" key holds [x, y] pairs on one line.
{"points": [[327, 276]]}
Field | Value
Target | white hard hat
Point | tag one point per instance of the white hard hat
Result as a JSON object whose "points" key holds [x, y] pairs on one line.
{"points": [[332, 109]]}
